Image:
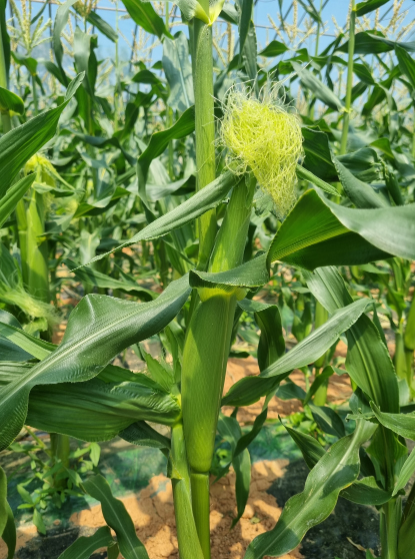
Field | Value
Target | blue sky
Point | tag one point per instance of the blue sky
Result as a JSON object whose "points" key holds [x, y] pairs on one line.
{"points": [[336, 8]]}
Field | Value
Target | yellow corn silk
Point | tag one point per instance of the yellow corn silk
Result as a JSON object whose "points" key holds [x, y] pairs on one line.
{"points": [[263, 136], [45, 171]]}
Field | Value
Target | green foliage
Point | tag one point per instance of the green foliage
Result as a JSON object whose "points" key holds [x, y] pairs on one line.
{"points": [[125, 219]]}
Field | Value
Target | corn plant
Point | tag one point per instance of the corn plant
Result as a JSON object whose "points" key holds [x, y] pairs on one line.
{"points": [[210, 270]]}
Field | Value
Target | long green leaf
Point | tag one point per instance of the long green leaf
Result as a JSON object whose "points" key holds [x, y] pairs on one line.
{"points": [[310, 448], [360, 193], [230, 430], [244, 22], [98, 329], [253, 273], [406, 64], [402, 424], [158, 143], [328, 420], [141, 434], [318, 158], [61, 20], [5, 36], [15, 193], [321, 91], [178, 72], [368, 361], [103, 26], [369, 42], [319, 341], [9, 101], [318, 233], [336, 470], [7, 525], [85, 546], [34, 346], [9, 535], [117, 517], [363, 8], [201, 202], [250, 389], [3, 500], [100, 408], [146, 17], [366, 492], [406, 473], [18, 145]]}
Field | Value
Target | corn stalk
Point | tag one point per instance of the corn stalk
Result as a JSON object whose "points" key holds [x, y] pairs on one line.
{"points": [[349, 86]]}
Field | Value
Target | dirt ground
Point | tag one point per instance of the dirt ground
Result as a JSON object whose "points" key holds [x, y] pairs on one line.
{"points": [[338, 392]]}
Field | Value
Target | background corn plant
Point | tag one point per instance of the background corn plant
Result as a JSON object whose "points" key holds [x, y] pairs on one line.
{"points": [[135, 165]]}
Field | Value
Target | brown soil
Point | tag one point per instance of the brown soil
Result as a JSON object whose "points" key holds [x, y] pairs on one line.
{"points": [[338, 392], [153, 514]]}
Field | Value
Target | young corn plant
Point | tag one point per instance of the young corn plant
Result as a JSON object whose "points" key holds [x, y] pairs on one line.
{"points": [[338, 221]]}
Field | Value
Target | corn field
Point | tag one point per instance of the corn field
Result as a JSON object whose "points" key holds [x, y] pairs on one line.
{"points": [[185, 188]]}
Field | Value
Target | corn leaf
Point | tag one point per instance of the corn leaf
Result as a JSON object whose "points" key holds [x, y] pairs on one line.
{"points": [[336, 470], [319, 341], [158, 143], [3, 500], [231, 432], [98, 329], [402, 424], [363, 8], [368, 361], [7, 525], [251, 274], [364, 491], [370, 42], [34, 346], [244, 23], [104, 281], [141, 434], [271, 344], [406, 536], [61, 20], [9, 101], [249, 390], [100, 408], [201, 202], [9, 535], [178, 72], [85, 546], [11, 352], [405, 474], [320, 233], [310, 448], [15, 193], [5, 39], [321, 91], [146, 17], [360, 193], [318, 158], [328, 420], [18, 145], [102, 25], [406, 64], [274, 48], [117, 517]]}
